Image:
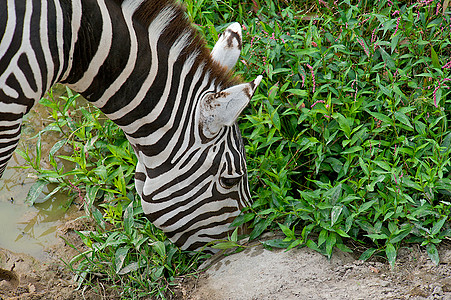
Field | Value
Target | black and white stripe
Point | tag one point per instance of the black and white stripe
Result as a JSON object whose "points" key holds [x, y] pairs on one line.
{"points": [[143, 65]]}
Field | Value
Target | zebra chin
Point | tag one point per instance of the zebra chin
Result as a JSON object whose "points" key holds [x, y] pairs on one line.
{"points": [[203, 237], [198, 232]]}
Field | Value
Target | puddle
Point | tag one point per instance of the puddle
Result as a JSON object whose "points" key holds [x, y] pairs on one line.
{"points": [[23, 228]]}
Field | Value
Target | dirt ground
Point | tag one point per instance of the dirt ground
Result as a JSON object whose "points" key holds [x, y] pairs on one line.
{"points": [[255, 273], [260, 274]]}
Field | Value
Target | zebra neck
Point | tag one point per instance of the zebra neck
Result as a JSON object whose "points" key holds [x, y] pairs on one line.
{"points": [[138, 68]]}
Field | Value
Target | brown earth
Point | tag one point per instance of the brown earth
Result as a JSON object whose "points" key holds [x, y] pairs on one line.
{"points": [[255, 273], [24, 277]]}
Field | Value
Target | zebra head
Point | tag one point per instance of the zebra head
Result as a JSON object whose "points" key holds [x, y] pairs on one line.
{"points": [[197, 205]]}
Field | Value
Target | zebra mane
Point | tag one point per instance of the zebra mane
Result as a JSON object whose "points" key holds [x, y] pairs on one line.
{"points": [[149, 10]]}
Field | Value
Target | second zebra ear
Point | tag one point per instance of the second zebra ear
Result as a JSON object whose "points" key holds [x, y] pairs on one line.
{"points": [[223, 108], [228, 47]]}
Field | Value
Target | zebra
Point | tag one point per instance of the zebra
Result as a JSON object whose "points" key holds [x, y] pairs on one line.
{"points": [[147, 69]]}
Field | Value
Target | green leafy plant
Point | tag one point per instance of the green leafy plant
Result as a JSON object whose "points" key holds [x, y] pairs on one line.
{"points": [[132, 257], [349, 136]]}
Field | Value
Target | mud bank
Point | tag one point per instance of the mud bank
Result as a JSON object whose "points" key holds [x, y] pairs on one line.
{"points": [[24, 277]]}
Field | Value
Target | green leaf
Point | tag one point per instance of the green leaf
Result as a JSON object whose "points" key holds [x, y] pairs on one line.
{"points": [[129, 221], [38, 152], [234, 236], [97, 215], [343, 248], [119, 257], [433, 253], [281, 70], [298, 92], [387, 59], [261, 225], [91, 193], [434, 57], [365, 206], [403, 119], [342, 233], [390, 251], [306, 51], [120, 182], [241, 219], [322, 237], [312, 245], [49, 195], [382, 117], [352, 150], [295, 243], [345, 124], [409, 183], [380, 178], [394, 42], [158, 272], [399, 237], [330, 243], [287, 231], [438, 226], [225, 245], [377, 236], [385, 90], [335, 214], [160, 248], [56, 147], [35, 191], [129, 268], [277, 243], [70, 100], [363, 166], [276, 119], [367, 254]]}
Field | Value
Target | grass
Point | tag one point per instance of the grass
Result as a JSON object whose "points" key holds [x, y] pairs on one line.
{"points": [[348, 140]]}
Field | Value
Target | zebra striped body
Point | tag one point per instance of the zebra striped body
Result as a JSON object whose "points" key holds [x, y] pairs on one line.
{"points": [[143, 65]]}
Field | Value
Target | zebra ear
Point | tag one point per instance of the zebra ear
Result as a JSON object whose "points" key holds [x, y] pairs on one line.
{"points": [[228, 48], [223, 108]]}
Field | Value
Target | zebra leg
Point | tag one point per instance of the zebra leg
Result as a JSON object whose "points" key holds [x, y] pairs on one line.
{"points": [[228, 47], [10, 125]]}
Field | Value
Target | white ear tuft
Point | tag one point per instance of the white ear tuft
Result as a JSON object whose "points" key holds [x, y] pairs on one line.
{"points": [[228, 47], [223, 108]]}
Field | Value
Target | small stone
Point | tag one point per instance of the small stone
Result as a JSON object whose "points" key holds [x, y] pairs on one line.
{"points": [[438, 290], [418, 291], [385, 283], [446, 287]]}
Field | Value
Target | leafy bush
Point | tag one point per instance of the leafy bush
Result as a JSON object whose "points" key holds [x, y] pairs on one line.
{"points": [[349, 136]]}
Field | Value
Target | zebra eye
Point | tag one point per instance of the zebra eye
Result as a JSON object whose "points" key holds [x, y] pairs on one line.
{"points": [[229, 182]]}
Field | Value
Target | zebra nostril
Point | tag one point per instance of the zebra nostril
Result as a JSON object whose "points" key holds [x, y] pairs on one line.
{"points": [[229, 182]]}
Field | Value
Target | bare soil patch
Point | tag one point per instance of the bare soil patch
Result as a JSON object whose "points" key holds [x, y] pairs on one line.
{"points": [[257, 273]]}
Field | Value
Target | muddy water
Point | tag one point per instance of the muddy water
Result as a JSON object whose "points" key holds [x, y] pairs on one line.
{"points": [[23, 228]]}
